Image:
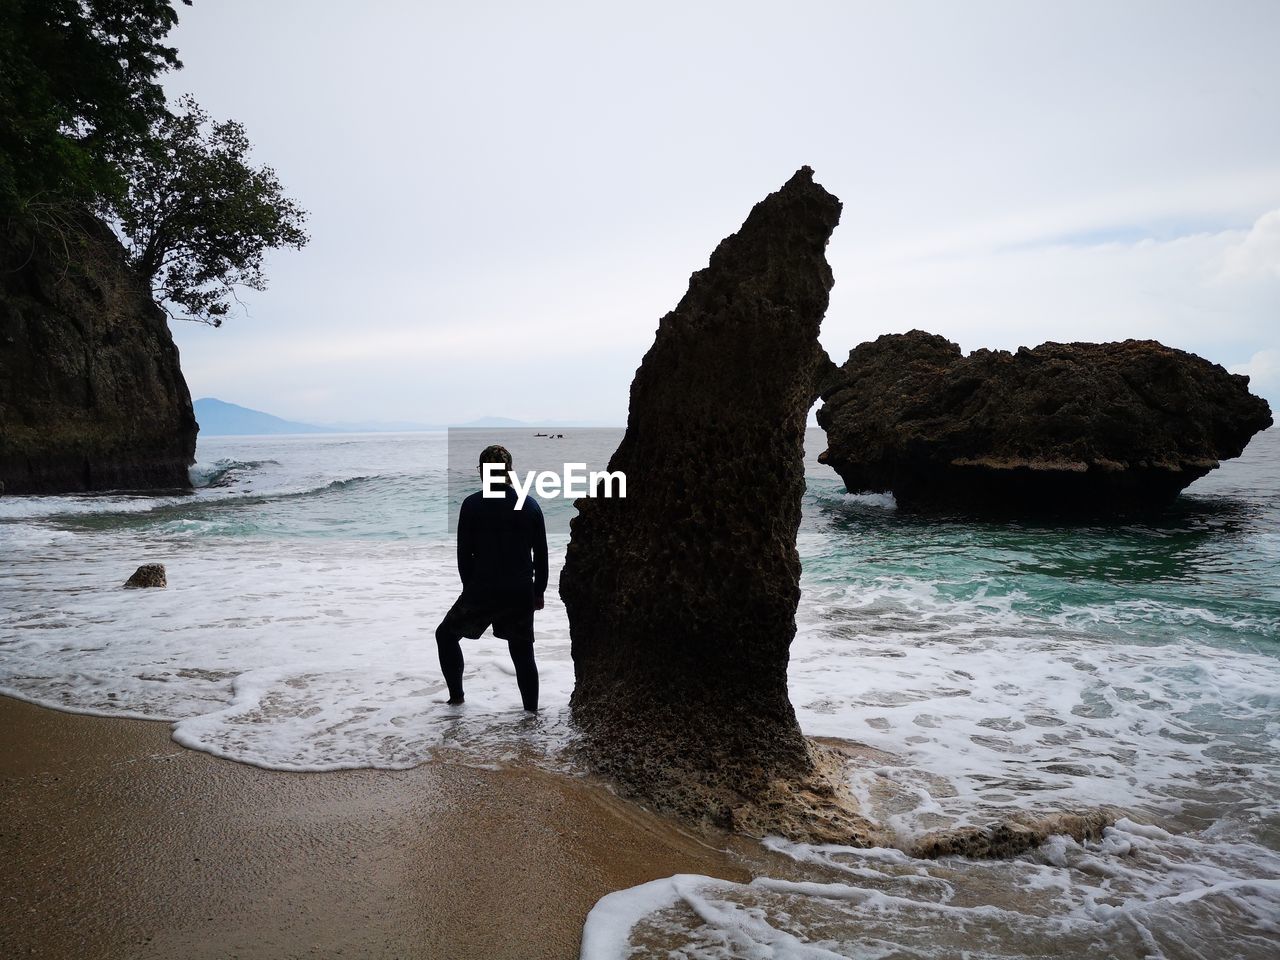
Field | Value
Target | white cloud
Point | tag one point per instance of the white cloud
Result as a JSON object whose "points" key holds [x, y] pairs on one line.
{"points": [[1263, 371], [1258, 254], [1170, 290]]}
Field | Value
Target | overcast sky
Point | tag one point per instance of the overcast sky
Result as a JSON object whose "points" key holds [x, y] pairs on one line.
{"points": [[505, 197]]}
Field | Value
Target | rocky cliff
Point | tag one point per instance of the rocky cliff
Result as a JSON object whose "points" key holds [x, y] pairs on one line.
{"points": [[1065, 427], [682, 596], [91, 394]]}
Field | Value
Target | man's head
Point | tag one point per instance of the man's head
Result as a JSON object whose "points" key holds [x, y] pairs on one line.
{"points": [[499, 454]]}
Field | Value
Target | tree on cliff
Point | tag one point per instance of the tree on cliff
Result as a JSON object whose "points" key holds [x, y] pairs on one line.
{"points": [[77, 88], [85, 130], [197, 217]]}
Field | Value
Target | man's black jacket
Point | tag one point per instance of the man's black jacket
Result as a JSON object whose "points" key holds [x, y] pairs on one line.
{"points": [[502, 551]]}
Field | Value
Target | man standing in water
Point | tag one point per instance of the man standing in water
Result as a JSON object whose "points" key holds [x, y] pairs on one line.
{"points": [[502, 560]]}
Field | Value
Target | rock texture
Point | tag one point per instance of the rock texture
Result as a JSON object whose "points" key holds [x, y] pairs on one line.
{"points": [[91, 394], [682, 596], [148, 575], [1016, 835], [1064, 427]]}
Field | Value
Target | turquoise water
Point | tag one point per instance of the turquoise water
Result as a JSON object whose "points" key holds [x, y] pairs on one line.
{"points": [[993, 666], [1207, 567]]}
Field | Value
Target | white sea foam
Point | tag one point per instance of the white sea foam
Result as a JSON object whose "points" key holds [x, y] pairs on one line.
{"points": [[31, 537], [882, 501], [999, 710], [18, 508], [318, 657], [1136, 893]]}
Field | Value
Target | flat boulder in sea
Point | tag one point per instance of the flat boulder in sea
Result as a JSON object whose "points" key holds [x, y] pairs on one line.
{"points": [[148, 575], [682, 596], [1062, 428]]}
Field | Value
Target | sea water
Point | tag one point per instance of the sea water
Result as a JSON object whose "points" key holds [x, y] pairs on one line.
{"points": [[986, 667]]}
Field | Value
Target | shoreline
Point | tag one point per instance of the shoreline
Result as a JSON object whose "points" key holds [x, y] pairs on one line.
{"points": [[118, 842]]}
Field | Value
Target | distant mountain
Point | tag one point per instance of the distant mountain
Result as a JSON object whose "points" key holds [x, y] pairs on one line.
{"points": [[217, 418], [496, 423]]}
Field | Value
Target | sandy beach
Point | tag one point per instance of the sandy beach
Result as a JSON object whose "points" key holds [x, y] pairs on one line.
{"points": [[116, 842]]}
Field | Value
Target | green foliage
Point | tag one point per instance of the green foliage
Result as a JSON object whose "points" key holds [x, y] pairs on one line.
{"points": [[78, 87], [84, 125], [197, 217]]}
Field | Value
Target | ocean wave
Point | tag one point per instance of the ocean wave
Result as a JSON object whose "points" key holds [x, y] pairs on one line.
{"points": [[246, 497], [81, 510], [883, 501], [32, 507], [306, 488], [224, 471], [827, 496], [16, 535]]}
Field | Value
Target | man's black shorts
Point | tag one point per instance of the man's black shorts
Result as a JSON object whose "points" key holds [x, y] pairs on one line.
{"points": [[472, 617]]}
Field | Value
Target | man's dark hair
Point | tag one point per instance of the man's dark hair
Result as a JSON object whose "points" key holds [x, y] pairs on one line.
{"points": [[496, 453]]}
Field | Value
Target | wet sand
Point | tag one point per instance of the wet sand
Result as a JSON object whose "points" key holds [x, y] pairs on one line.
{"points": [[116, 842]]}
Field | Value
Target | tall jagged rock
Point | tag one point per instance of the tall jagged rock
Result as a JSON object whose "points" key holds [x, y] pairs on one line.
{"points": [[91, 393], [682, 596], [1063, 428]]}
